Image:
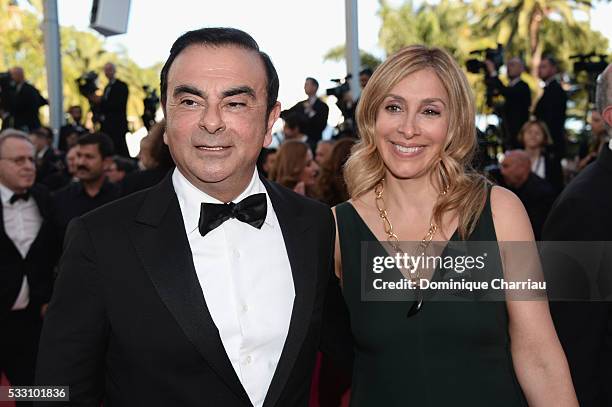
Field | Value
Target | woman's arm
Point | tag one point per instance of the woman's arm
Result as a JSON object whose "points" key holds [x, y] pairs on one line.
{"points": [[537, 355]]}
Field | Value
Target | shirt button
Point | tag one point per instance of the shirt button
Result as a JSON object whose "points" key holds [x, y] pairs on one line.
{"points": [[248, 360], [245, 308], [236, 254]]}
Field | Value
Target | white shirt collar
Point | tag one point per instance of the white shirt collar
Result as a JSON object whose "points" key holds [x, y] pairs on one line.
{"points": [[5, 194], [190, 199], [42, 152]]}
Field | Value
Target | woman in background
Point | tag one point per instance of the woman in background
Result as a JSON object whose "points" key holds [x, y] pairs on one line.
{"points": [[154, 161], [295, 168], [330, 184], [535, 138]]}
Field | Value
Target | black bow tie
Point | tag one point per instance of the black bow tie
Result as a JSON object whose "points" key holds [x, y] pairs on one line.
{"points": [[251, 210], [25, 196]]}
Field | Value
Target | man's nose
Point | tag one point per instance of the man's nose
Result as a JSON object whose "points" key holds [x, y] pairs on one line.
{"points": [[211, 120]]}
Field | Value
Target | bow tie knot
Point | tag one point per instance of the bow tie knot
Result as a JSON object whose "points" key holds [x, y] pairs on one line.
{"points": [[251, 210], [16, 197]]}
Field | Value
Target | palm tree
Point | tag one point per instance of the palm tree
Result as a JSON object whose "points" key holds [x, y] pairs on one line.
{"points": [[518, 23]]}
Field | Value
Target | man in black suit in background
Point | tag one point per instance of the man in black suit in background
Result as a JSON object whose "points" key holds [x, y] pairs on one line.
{"points": [[552, 105], [314, 113], [29, 252], [583, 213], [23, 102], [113, 108], [517, 99], [208, 288]]}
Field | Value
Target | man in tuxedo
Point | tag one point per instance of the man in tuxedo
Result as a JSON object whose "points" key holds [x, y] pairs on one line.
{"points": [[517, 99], [74, 127], [23, 102], [552, 105], [207, 289], [314, 113], [582, 213], [28, 257], [48, 160], [113, 107]]}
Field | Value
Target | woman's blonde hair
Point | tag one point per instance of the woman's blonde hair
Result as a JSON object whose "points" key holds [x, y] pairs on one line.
{"points": [[547, 141], [290, 162], [466, 190]]}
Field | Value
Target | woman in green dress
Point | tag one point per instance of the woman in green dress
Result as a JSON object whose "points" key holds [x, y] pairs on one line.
{"points": [[409, 180]]}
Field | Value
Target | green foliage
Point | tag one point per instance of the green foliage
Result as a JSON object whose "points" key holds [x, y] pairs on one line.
{"points": [[338, 54], [526, 28], [21, 41]]}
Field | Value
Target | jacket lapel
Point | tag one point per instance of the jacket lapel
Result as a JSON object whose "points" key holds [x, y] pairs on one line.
{"points": [[161, 242], [299, 250]]}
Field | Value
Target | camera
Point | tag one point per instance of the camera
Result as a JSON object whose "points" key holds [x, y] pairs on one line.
{"points": [[87, 83], [495, 55], [340, 90], [586, 63], [151, 103]]}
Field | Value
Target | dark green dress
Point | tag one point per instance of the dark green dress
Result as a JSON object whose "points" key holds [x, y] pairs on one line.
{"points": [[448, 354]]}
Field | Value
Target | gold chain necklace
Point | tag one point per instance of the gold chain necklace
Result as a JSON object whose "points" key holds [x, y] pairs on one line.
{"points": [[393, 240]]}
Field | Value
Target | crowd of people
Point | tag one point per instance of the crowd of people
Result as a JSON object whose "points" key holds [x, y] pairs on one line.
{"points": [[213, 270]]}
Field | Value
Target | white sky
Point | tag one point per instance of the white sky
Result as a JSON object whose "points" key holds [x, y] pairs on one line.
{"points": [[295, 33]]}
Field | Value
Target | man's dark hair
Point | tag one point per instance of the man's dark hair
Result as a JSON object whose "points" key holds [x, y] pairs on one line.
{"points": [[313, 80], [293, 119], [124, 164], [366, 71], [104, 143], [551, 60], [42, 132], [218, 37]]}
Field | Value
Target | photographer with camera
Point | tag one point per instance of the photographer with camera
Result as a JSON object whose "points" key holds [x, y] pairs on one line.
{"points": [[113, 108], [314, 113], [517, 99], [20, 102]]}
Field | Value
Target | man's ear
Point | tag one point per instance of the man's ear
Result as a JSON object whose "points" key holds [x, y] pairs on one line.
{"points": [[607, 115], [272, 118]]}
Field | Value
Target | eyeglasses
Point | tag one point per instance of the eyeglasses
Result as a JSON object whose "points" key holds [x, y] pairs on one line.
{"points": [[19, 160]]}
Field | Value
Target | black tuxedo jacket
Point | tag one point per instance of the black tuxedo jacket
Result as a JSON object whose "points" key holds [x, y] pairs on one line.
{"points": [[114, 111], [313, 126], [24, 105], [38, 263], [551, 110], [515, 112], [583, 213], [128, 324]]}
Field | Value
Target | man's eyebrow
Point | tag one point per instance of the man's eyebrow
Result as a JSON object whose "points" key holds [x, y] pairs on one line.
{"points": [[192, 90], [239, 90]]}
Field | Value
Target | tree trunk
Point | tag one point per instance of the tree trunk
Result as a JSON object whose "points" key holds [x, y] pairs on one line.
{"points": [[535, 46]]}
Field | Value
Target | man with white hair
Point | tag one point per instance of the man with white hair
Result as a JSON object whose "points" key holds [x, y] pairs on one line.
{"points": [[583, 213]]}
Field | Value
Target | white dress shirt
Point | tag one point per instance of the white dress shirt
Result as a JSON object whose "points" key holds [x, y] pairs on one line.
{"points": [[246, 279], [22, 221]]}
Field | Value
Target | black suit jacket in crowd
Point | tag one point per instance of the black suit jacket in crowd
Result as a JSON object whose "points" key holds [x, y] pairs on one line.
{"points": [[515, 111], [128, 324], [37, 265], [23, 107], [313, 126], [114, 111], [551, 110], [583, 212]]}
